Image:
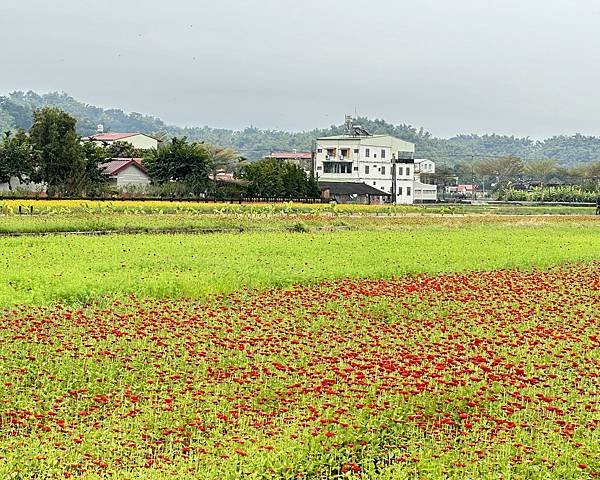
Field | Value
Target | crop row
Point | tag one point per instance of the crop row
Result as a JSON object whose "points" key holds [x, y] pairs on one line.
{"points": [[59, 208]]}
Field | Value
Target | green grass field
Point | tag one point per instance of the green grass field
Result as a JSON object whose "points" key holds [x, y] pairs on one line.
{"points": [[41, 270]]}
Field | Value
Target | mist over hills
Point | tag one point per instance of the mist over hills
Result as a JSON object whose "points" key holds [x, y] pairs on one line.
{"points": [[16, 110]]}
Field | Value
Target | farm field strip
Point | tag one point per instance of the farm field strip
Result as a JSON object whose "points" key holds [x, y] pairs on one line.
{"points": [[43, 270], [462, 375], [128, 222], [67, 207]]}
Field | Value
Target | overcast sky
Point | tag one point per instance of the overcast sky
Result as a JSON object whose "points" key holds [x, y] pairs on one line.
{"points": [[523, 67]]}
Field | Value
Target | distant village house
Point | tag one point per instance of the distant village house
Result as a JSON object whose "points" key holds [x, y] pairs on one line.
{"points": [[302, 159], [138, 140], [124, 172]]}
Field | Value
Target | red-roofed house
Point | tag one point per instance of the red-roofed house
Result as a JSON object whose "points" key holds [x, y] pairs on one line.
{"points": [[123, 172], [303, 159], [138, 140]]}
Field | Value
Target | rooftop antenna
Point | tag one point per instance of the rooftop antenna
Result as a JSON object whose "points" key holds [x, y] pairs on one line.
{"points": [[348, 124], [355, 129]]}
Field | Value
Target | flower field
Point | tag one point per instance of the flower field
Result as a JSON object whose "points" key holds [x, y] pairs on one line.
{"points": [[68, 208], [463, 375]]}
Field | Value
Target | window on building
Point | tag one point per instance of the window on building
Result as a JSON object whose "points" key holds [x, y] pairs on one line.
{"points": [[319, 167], [337, 167], [408, 171], [366, 169], [383, 170], [382, 153], [374, 183], [319, 150], [408, 191], [331, 152], [356, 151], [399, 190], [345, 152], [355, 169], [367, 152], [374, 155]]}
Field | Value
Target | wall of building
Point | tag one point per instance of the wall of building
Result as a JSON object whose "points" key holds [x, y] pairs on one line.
{"points": [[425, 166], [16, 184], [142, 142], [425, 192], [132, 176]]}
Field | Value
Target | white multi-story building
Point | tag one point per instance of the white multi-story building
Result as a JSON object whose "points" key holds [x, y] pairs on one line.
{"points": [[379, 161]]}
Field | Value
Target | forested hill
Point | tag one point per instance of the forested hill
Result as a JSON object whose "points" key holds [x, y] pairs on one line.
{"points": [[16, 111]]}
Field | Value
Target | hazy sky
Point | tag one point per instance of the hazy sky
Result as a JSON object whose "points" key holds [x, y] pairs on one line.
{"points": [[524, 67]]}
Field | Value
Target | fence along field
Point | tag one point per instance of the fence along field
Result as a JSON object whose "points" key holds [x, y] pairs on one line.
{"points": [[152, 356]]}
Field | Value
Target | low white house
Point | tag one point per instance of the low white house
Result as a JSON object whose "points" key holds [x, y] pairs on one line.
{"points": [[125, 172], [382, 162], [425, 192]]}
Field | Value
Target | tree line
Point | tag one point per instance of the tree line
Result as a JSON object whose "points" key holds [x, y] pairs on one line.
{"points": [[53, 154], [16, 111]]}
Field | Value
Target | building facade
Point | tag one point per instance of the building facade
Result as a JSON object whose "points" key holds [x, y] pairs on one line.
{"points": [[383, 162]]}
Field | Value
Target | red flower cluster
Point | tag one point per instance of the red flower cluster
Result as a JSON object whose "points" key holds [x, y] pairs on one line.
{"points": [[478, 371]]}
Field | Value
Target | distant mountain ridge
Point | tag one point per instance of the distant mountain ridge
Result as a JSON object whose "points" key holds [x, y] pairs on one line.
{"points": [[16, 110]]}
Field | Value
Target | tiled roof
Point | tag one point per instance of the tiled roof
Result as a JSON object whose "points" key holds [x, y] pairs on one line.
{"points": [[291, 155], [111, 137], [115, 165]]}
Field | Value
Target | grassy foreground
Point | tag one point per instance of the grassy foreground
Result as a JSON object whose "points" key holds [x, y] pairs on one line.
{"points": [[76, 269]]}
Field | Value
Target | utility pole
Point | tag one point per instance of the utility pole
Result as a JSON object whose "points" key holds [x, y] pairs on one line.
{"points": [[474, 195], [394, 181]]}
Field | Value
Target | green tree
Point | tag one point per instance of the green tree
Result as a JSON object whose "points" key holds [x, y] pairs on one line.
{"points": [[58, 155], [123, 150], [93, 182], [540, 169], [503, 169], [180, 161], [7, 122], [273, 178], [220, 158], [15, 158]]}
